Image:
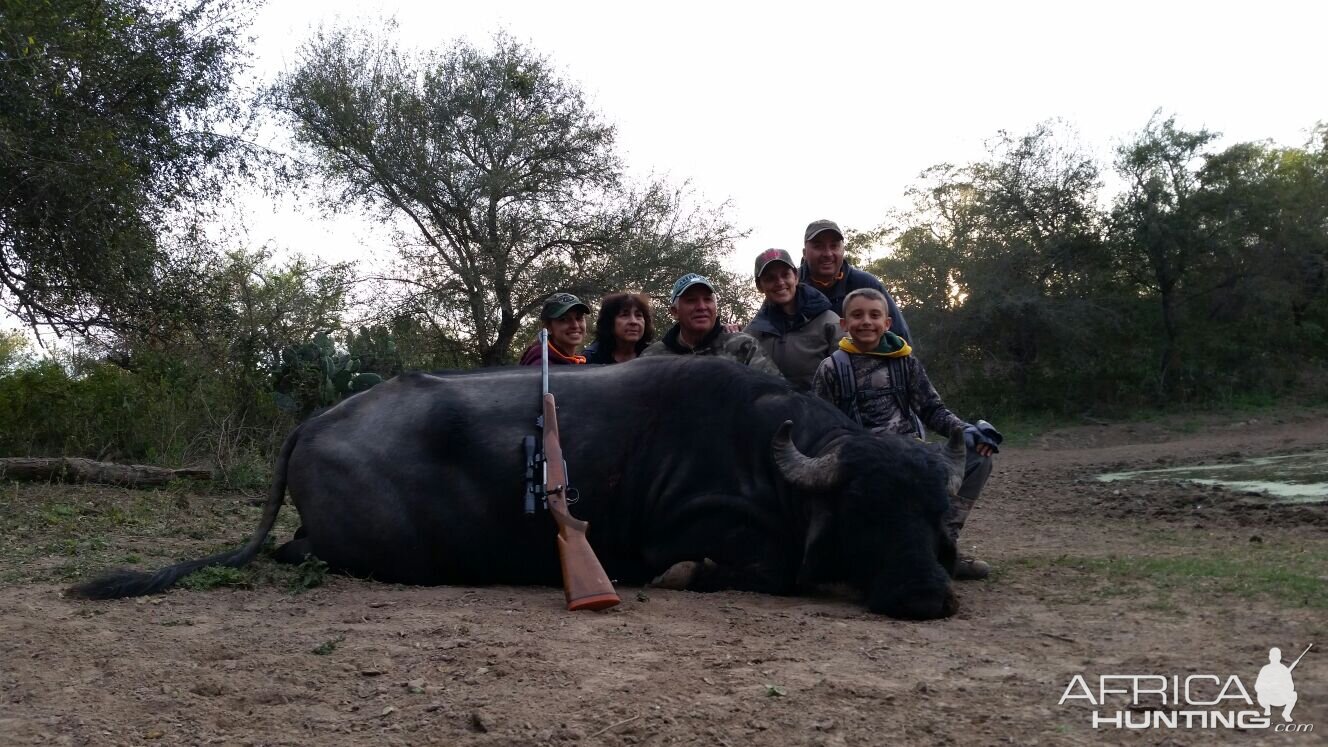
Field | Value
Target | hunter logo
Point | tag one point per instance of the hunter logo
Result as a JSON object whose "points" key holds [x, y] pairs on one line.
{"points": [[1196, 701], [1274, 687]]}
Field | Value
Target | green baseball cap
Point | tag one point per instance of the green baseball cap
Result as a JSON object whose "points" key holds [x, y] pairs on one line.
{"points": [[686, 281], [559, 304]]}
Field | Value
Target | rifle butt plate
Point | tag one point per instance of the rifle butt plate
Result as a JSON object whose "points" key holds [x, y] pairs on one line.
{"points": [[593, 602]]}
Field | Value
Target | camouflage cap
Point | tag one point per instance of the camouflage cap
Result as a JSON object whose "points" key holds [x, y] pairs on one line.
{"points": [[687, 281], [559, 304], [764, 259], [817, 227]]}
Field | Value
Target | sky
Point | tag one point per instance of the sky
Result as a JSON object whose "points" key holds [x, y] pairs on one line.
{"points": [[827, 109], [831, 110]]}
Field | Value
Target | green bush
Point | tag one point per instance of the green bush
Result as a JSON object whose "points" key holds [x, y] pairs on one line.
{"points": [[165, 411]]}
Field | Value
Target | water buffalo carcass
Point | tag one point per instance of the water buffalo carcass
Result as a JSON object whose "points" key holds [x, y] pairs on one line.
{"points": [[678, 460]]}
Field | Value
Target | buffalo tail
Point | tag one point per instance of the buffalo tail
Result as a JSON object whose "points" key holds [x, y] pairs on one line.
{"points": [[128, 583]]}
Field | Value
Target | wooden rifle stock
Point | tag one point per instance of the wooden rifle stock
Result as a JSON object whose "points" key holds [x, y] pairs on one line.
{"points": [[584, 581]]}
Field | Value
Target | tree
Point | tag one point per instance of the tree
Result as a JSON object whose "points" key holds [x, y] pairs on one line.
{"points": [[1267, 208], [930, 241], [1302, 178], [1161, 237], [112, 124], [208, 374], [1004, 256], [254, 308], [1039, 256], [507, 183], [13, 350]]}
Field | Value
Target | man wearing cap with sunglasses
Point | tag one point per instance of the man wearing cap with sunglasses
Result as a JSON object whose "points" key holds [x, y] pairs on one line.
{"points": [[564, 316], [825, 269], [697, 330]]}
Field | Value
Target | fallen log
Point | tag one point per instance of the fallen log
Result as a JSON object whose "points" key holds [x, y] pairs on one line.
{"points": [[76, 469]]}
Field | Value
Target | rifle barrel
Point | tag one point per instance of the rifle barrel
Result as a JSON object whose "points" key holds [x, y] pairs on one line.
{"points": [[1298, 658], [544, 360]]}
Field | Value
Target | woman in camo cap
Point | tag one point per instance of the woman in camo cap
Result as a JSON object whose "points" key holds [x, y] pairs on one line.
{"points": [[564, 316]]}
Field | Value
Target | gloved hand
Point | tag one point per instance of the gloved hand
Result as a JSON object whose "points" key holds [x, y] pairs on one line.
{"points": [[983, 433], [989, 430]]}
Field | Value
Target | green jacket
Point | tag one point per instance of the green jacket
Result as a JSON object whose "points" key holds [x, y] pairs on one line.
{"points": [[798, 344]]}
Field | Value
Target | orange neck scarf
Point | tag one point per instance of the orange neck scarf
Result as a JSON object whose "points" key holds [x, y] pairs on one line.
{"points": [[827, 283], [555, 352]]}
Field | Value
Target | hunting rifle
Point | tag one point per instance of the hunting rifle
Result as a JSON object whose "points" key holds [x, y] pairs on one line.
{"points": [[585, 583]]}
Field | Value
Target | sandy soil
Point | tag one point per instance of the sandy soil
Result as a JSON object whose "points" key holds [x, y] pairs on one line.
{"points": [[1076, 592]]}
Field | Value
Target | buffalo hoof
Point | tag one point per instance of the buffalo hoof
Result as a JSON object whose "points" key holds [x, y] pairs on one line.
{"points": [[294, 552], [682, 576]]}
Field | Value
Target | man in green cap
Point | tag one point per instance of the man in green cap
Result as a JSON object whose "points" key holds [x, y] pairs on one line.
{"points": [[564, 315], [697, 330]]}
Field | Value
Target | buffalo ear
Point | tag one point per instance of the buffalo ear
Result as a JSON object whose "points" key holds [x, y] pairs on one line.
{"points": [[819, 549]]}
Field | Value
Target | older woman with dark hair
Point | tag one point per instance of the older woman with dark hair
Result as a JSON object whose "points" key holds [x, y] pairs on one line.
{"points": [[623, 330]]}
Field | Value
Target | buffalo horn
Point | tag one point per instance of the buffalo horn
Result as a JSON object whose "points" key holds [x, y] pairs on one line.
{"points": [[814, 474]]}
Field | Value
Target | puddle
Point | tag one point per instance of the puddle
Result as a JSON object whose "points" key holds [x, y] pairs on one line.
{"points": [[1291, 478]]}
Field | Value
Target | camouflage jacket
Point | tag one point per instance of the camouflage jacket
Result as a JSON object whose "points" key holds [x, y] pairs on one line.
{"points": [[734, 346], [878, 381]]}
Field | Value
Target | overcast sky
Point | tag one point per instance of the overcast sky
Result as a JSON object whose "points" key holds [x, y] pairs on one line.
{"points": [[828, 109]]}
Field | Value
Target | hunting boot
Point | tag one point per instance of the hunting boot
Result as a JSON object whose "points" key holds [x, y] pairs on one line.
{"points": [[968, 568]]}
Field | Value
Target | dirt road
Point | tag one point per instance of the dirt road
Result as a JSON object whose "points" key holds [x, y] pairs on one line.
{"points": [[1092, 579]]}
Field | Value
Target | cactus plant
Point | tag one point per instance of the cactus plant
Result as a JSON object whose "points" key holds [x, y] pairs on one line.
{"points": [[315, 374]]}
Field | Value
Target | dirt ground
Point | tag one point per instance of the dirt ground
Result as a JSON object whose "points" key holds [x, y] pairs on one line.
{"points": [[1092, 579]]}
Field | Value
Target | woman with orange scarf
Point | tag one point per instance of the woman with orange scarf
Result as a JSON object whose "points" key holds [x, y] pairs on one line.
{"points": [[564, 316]]}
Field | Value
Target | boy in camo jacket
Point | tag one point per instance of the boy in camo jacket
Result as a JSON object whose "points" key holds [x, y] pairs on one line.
{"points": [[892, 394]]}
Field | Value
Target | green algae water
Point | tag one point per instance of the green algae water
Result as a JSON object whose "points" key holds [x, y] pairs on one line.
{"points": [[1293, 478]]}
